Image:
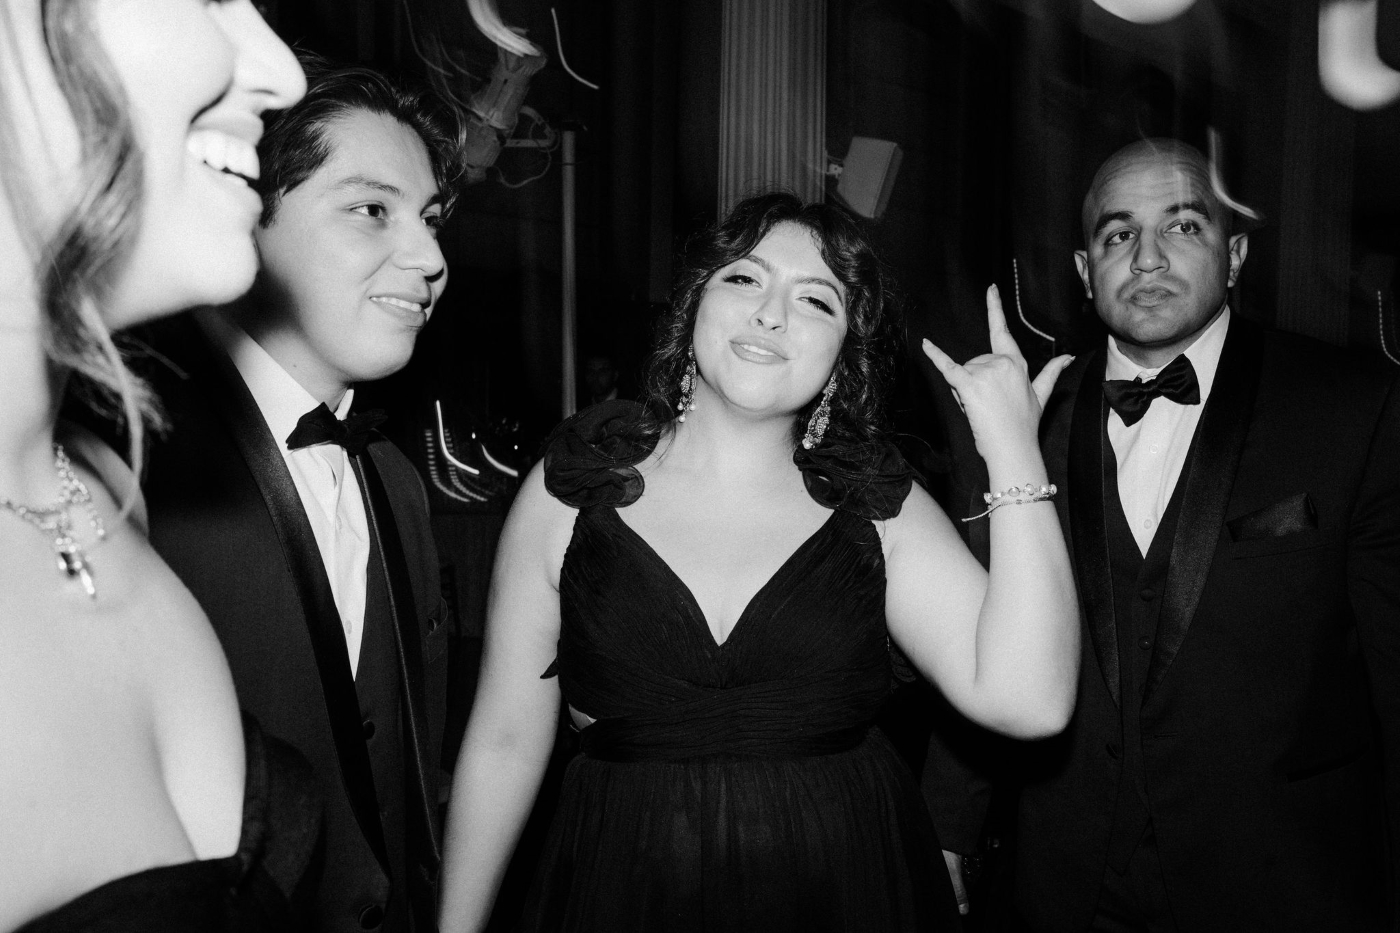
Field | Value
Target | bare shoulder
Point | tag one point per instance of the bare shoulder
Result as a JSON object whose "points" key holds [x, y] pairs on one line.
{"points": [[921, 523], [522, 619], [538, 529], [118, 716]]}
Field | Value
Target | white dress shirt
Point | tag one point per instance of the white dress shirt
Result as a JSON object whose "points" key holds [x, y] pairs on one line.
{"points": [[324, 480], [1152, 451]]}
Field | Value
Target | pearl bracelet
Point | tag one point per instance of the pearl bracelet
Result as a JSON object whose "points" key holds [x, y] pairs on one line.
{"points": [[1016, 495]]}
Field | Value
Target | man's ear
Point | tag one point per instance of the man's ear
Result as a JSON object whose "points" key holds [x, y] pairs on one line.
{"points": [[1081, 262], [1239, 248]]}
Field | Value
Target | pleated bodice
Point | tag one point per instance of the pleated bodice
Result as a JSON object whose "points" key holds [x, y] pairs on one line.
{"points": [[803, 671]]}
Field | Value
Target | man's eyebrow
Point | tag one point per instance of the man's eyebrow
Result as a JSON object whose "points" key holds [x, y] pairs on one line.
{"points": [[1108, 218], [393, 191], [766, 266], [374, 184], [1197, 205]]}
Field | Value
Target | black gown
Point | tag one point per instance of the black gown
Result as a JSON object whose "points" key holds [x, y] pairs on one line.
{"points": [[263, 886], [734, 786]]}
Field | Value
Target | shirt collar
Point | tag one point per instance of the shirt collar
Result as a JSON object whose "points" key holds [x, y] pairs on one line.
{"points": [[1204, 355], [279, 397]]}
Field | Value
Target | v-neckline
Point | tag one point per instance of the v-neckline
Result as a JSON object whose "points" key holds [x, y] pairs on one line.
{"points": [[690, 595]]}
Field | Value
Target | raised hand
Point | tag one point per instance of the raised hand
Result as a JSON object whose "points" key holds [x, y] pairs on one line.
{"points": [[995, 391]]}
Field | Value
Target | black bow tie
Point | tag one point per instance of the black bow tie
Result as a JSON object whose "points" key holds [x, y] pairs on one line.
{"points": [[1131, 397], [321, 426]]}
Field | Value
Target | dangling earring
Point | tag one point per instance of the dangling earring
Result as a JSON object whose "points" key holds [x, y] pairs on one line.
{"points": [[816, 428], [687, 402]]}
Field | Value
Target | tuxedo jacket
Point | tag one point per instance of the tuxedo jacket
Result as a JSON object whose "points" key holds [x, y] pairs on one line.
{"points": [[226, 516], [1267, 716]]}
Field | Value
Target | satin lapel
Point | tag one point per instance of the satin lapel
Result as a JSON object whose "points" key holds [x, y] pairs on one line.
{"points": [[234, 403], [1054, 440], [1054, 446], [1089, 530], [409, 642], [1215, 457]]}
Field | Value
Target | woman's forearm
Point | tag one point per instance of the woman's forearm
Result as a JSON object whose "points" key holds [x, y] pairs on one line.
{"points": [[1028, 629], [493, 792]]}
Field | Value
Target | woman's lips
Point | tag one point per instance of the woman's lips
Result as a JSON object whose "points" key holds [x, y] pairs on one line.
{"points": [[757, 350], [224, 153]]}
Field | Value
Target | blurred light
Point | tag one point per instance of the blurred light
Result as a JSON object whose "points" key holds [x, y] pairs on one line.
{"points": [[563, 62], [493, 111], [1146, 12], [488, 20], [1348, 64], [1217, 179], [488, 117]]}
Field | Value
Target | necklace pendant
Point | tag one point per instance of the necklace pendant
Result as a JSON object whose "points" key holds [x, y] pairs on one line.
{"points": [[72, 562], [54, 520]]}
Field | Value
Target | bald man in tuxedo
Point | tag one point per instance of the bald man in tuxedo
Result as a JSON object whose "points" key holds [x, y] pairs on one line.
{"points": [[1231, 497]]}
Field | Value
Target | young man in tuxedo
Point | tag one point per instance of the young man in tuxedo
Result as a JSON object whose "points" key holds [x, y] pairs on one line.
{"points": [[1231, 497], [304, 533]]}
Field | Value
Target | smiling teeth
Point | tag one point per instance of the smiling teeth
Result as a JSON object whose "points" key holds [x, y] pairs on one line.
{"points": [[224, 153], [754, 349], [399, 303]]}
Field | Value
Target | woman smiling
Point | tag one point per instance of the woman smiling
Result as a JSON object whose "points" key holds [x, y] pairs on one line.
{"points": [[128, 785], [715, 576]]}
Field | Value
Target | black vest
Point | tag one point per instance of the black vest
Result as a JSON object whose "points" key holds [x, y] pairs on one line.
{"points": [[378, 690], [1138, 582]]}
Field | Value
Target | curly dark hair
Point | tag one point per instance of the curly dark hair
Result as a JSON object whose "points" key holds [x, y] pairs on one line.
{"points": [[294, 143], [865, 367]]}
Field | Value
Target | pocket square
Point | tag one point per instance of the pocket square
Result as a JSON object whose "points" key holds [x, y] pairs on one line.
{"points": [[1285, 517]]}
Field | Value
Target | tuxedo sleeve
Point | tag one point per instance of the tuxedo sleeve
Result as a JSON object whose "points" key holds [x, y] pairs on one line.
{"points": [[955, 788], [1373, 570]]}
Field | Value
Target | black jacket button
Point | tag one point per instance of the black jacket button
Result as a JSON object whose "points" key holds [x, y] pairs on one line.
{"points": [[371, 917], [369, 728]]}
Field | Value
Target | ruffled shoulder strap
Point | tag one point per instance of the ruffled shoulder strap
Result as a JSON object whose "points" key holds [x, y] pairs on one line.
{"points": [[868, 480], [591, 458]]}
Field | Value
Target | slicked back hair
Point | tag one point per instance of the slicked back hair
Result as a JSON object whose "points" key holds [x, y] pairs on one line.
{"points": [[294, 144]]}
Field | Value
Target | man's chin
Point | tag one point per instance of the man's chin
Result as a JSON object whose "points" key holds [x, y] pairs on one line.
{"points": [[380, 368], [1152, 346]]}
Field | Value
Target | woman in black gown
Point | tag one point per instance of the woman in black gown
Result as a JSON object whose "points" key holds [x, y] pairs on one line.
{"points": [[132, 796], [717, 592]]}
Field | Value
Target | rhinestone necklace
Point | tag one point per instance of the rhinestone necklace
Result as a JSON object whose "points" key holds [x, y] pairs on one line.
{"points": [[55, 520]]}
